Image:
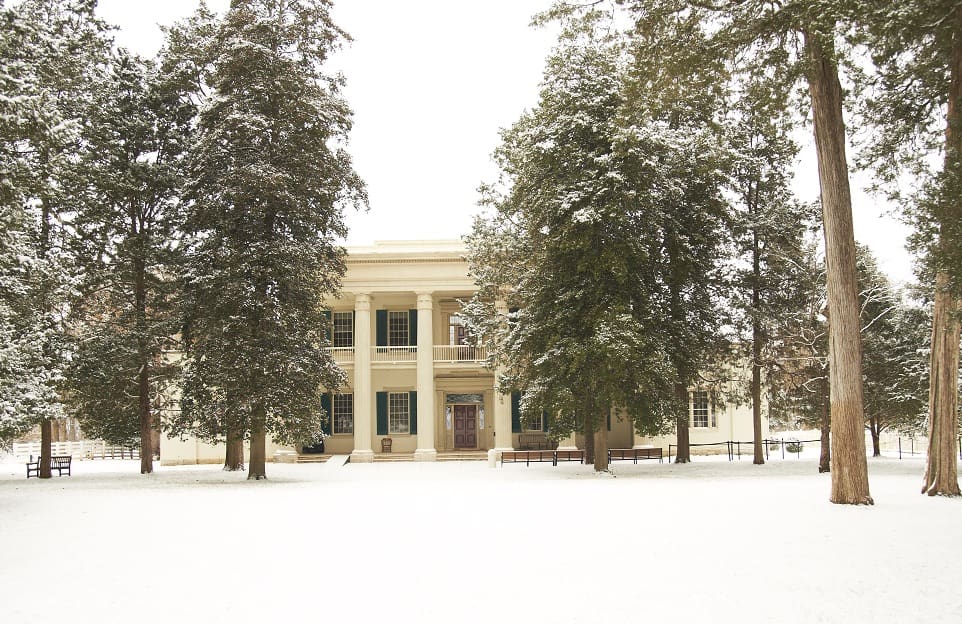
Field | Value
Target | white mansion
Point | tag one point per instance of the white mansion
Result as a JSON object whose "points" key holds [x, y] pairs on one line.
{"points": [[415, 386]]}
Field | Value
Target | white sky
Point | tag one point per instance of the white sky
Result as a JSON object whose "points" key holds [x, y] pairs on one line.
{"points": [[431, 83]]}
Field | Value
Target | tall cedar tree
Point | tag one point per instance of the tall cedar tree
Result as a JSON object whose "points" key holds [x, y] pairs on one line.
{"points": [[52, 50], [269, 179], [769, 30], [187, 59], [678, 87], [894, 340], [128, 180], [577, 245], [916, 106], [770, 231]]}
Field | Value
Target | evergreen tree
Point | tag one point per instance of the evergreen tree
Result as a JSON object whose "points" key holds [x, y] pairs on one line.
{"points": [[770, 232], [49, 51], [894, 339], [679, 88], [269, 178], [916, 105], [127, 181], [589, 242]]}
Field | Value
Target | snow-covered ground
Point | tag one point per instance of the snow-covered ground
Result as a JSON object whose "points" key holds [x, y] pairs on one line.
{"points": [[711, 541]]}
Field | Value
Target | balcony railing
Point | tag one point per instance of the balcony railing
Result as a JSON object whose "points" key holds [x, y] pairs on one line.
{"points": [[394, 354], [459, 353], [343, 355], [444, 354]]}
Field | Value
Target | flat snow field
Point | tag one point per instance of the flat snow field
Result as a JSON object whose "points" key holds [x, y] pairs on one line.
{"points": [[710, 541]]}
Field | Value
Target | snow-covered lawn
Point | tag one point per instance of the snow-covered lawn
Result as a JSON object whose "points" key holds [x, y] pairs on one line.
{"points": [[711, 541]]}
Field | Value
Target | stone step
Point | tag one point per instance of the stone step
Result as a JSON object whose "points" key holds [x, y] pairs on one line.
{"points": [[312, 458]]}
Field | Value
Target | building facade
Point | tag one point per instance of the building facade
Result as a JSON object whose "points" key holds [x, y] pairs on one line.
{"points": [[415, 385]]}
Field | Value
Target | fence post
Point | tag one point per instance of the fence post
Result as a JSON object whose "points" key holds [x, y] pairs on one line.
{"points": [[783, 448], [900, 447], [738, 446], [766, 448]]}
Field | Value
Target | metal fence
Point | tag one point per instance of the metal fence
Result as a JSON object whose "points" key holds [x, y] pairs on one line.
{"points": [[734, 447]]}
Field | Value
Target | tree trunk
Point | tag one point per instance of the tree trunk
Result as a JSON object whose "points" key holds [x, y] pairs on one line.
{"points": [[234, 459], [850, 468], [876, 434], [601, 446], [757, 392], [589, 433], [258, 458], [46, 435], [941, 470], [683, 453], [825, 456], [146, 424], [757, 337]]}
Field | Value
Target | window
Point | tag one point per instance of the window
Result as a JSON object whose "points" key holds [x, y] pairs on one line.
{"points": [[700, 409], [398, 412], [533, 423], [397, 329], [457, 332], [343, 329], [343, 413]]}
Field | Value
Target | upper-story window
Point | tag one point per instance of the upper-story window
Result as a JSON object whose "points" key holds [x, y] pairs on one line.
{"points": [[397, 328], [343, 329], [702, 415], [457, 332]]}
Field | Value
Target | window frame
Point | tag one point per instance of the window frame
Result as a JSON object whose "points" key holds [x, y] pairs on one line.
{"points": [[696, 402], [398, 329], [336, 415], [398, 423], [335, 332]]}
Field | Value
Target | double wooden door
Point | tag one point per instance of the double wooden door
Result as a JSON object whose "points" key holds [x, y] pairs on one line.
{"points": [[465, 426]]}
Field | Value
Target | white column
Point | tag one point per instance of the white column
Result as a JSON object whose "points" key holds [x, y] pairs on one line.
{"points": [[425, 383], [363, 414]]}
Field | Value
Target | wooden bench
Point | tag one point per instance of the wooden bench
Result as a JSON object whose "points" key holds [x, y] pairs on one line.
{"points": [[536, 441], [528, 456], [635, 454], [57, 462], [569, 455]]}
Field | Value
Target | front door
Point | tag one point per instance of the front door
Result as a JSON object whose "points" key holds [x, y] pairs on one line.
{"points": [[465, 426]]}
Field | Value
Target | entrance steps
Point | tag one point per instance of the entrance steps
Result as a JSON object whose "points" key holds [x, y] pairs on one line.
{"points": [[462, 456], [312, 458]]}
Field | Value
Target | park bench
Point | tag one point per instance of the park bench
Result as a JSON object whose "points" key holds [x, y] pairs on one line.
{"points": [[57, 462], [635, 454], [528, 456], [569, 455]]}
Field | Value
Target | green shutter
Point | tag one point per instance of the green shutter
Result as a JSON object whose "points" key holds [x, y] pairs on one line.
{"points": [[354, 329], [515, 412], [328, 325], [381, 413], [413, 328], [609, 420], [329, 413], [380, 318], [413, 410], [544, 421]]}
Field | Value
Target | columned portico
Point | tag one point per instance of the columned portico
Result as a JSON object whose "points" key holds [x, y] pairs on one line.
{"points": [[425, 379], [362, 452]]}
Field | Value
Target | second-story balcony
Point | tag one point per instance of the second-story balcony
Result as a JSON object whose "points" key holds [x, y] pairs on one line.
{"points": [[443, 354]]}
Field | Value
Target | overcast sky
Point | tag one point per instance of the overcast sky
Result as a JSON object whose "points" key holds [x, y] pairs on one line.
{"points": [[431, 83]]}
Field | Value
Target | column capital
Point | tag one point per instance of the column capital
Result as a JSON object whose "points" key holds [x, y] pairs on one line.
{"points": [[425, 300], [362, 301]]}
